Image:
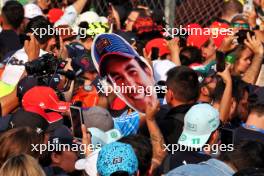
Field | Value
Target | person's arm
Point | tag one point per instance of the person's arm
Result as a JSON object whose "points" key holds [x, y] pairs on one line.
{"points": [[156, 136], [253, 71], [9, 103], [71, 13], [79, 5], [148, 57], [228, 43], [225, 103], [86, 140], [174, 48], [251, 16]]}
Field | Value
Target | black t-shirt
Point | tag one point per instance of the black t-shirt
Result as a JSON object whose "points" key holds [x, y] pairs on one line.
{"points": [[54, 171], [170, 121], [242, 133], [9, 41]]}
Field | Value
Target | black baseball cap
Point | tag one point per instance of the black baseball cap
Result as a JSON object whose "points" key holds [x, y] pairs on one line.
{"points": [[25, 84], [23, 118]]}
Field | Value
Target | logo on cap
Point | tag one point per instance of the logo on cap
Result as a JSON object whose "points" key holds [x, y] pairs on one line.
{"points": [[196, 141], [117, 160], [191, 126], [101, 44], [183, 137], [114, 134], [55, 140], [39, 130]]}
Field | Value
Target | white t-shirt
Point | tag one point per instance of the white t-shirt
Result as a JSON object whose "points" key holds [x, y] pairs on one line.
{"points": [[15, 67]]}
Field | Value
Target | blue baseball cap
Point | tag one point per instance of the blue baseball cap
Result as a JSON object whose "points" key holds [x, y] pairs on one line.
{"points": [[115, 157], [105, 45]]}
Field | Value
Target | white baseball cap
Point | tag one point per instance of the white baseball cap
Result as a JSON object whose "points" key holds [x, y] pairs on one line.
{"points": [[199, 123], [160, 68], [89, 163], [102, 138], [32, 10]]}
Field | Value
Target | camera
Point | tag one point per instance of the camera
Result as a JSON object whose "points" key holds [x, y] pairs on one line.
{"points": [[242, 35], [48, 69], [44, 65]]}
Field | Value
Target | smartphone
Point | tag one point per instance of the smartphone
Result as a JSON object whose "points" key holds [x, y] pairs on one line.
{"points": [[154, 53], [227, 136], [76, 121], [220, 62], [242, 35], [57, 39]]}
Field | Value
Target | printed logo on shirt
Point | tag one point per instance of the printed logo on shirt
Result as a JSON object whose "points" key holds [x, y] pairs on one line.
{"points": [[16, 61]]}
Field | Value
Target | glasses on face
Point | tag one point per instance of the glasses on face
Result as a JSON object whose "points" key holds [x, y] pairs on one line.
{"points": [[242, 25]]}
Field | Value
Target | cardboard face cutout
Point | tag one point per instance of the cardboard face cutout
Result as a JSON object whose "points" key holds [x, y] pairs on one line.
{"points": [[127, 74]]}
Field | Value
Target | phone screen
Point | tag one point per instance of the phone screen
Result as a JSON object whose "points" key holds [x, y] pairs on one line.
{"points": [[154, 53], [76, 120], [220, 62]]}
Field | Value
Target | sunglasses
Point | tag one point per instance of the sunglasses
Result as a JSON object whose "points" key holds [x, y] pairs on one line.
{"points": [[242, 25]]}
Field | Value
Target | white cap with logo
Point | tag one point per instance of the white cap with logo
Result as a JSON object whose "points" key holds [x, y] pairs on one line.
{"points": [[199, 123]]}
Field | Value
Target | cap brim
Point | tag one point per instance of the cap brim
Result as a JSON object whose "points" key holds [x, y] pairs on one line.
{"points": [[61, 106], [80, 164], [193, 141], [4, 123], [53, 117], [99, 136], [88, 164], [113, 136]]}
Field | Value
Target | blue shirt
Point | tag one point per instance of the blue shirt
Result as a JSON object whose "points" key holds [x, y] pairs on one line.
{"points": [[212, 167], [127, 124]]}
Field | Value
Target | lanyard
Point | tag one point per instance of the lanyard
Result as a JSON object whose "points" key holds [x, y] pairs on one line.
{"points": [[253, 128]]}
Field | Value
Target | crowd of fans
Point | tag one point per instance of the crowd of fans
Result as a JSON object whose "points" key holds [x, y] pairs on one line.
{"points": [[208, 121]]}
